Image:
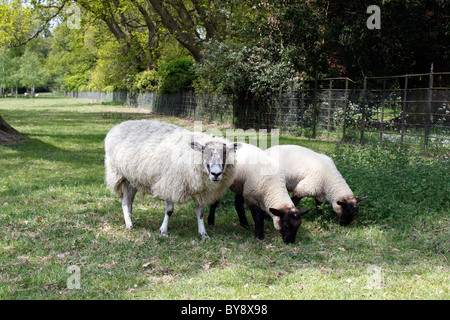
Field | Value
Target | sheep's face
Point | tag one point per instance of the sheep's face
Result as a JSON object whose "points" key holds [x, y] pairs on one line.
{"points": [[347, 209], [289, 222], [214, 157]]}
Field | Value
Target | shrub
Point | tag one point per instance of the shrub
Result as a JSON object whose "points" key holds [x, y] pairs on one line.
{"points": [[73, 83], [146, 81], [176, 74]]}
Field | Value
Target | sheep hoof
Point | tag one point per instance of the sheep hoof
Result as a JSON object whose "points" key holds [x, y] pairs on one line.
{"points": [[130, 227], [245, 226], [203, 236], [163, 234]]}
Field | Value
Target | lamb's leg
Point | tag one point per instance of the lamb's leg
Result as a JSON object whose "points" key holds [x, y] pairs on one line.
{"points": [[212, 213], [258, 217], [167, 213], [240, 209], [318, 210], [201, 225], [128, 193], [295, 199]]}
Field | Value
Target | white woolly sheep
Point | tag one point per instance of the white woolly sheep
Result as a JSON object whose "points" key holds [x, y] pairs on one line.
{"points": [[262, 187], [170, 163], [311, 174]]}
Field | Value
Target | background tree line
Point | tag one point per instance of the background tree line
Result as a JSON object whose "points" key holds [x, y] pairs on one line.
{"points": [[249, 48]]}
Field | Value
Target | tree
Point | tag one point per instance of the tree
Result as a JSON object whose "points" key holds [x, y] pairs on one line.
{"points": [[72, 55], [23, 21], [30, 72], [9, 69], [413, 35], [7, 133]]}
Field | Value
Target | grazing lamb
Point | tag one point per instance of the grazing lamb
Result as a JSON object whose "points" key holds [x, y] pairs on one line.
{"points": [[169, 162], [262, 187], [311, 174]]}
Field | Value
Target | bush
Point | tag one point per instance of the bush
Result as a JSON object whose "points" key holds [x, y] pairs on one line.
{"points": [[146, 81], [73, 83], [176, 74]]}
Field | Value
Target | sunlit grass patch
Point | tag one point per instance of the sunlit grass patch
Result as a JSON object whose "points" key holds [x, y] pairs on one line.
{"points": [[56, 213]]}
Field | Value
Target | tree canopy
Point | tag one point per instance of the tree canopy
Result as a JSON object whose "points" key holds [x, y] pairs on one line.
{"points": [[241, 47]]}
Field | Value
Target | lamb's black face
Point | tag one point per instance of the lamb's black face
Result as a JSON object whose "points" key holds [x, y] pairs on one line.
{"points": [[349, 209], [290, 221], [214, 157]]}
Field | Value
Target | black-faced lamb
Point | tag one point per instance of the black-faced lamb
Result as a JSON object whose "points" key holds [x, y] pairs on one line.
{"points": [[311, 174], [261, 186], [170, 163]]}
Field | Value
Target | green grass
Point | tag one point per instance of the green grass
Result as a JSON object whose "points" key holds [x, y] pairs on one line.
{"points": [[55, 213]]}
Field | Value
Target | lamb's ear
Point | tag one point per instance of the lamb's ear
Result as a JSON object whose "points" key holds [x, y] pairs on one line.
{"points": [[303, 212], [361, 199], [277, 212], [233, 146], [342, 202], [197, 146]]}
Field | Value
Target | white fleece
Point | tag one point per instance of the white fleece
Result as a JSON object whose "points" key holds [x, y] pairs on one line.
{"points": [[260, 181], [157, 158], [311, 174]]}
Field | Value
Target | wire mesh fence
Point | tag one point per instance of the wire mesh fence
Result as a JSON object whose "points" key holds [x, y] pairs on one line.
{"points": [[408, 109]]}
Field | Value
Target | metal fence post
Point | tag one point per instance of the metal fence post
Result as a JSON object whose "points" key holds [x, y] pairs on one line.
{"points": [[363, 113], [345, 109], [383, 100], [405, 95], [330, 93], [314, 109], [428, 112]]}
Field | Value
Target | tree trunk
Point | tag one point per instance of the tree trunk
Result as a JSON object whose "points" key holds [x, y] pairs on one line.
{"points": [[7, 133]]}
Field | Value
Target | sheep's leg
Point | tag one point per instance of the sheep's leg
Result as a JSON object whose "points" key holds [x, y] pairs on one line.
{"points": [[167, 213], [212, 213], [296, 200], [128, 193], [240, 209], [258, 217], [318, 210], [201, 225]]}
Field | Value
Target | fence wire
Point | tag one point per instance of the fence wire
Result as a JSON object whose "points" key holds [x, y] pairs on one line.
{"points": [[410, 109]]}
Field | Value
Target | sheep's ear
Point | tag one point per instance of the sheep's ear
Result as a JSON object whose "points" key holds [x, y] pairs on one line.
{"points": [[197, 146], [303, 212], [233, 146], [342, 202], [277, 212], [361, 199]]}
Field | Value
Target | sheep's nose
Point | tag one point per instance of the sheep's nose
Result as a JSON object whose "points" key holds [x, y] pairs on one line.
{"points": [[216, 172]]}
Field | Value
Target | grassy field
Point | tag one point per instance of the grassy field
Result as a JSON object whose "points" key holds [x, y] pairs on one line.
{"points": [[62, 234]]}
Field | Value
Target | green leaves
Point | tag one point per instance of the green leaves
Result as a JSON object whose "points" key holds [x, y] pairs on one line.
{"points": [[176, 74], [16, 21], [257, 69]]}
